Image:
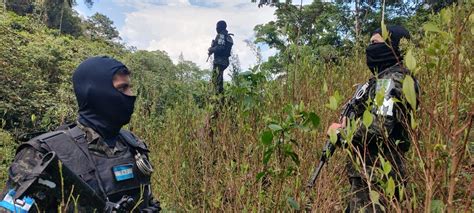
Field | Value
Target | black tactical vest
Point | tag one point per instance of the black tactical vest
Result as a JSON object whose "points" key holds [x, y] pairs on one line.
{"points": [[110, 177], [228, 45]]}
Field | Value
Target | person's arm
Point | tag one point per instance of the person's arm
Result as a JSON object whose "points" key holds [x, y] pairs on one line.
{"points": [[21, 170]]}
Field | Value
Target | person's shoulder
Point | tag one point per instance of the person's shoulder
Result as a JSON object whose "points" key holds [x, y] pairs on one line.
{"points": [[396, 72], [133, 140], [229, 38], [37, 142]]}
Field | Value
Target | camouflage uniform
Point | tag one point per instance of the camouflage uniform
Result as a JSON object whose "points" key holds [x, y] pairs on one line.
{"points": [[386, 136], [28, 157]]}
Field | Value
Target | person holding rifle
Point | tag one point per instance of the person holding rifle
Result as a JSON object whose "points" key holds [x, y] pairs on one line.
{"points": [[221, 47], [386, 139]]}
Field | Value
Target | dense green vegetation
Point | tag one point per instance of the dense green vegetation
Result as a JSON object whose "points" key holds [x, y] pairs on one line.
{"points": [[247, 168]]}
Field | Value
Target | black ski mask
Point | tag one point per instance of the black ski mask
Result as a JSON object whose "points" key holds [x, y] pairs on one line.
{"points": [[380, 56], [221, 26], [101, 106]]}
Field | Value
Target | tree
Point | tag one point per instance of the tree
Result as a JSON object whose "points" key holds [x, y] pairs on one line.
{"points": [[100, 26], [304, 29], [57, 14], [21, 7]]}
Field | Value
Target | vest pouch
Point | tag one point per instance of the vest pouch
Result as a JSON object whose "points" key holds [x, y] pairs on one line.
{"points": [[119, 175]]}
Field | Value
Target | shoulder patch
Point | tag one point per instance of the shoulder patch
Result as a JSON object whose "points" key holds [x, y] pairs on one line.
{"points": [[385, 87]]}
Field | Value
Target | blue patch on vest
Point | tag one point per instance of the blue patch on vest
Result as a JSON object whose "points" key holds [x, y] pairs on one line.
{"points": [[17, 206], [123, 172]]}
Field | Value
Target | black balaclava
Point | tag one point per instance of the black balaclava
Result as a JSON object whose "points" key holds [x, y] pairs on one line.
{"points": [[221, 27], [101, 106], [380, 56]]}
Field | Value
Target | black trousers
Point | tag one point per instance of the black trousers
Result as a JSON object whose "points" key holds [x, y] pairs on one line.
{"points": [[218, 78]]}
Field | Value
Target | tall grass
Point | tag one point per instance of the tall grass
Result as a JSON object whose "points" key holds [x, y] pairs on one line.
{"points": [[193, 174]]}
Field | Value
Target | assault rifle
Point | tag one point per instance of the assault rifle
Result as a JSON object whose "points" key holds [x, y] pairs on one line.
{"points": [[329, 148], [51, 173], [209, 54]]}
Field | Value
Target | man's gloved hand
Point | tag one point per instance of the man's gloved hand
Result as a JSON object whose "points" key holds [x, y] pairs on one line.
{"points": [[123, 205], [153, 207]]}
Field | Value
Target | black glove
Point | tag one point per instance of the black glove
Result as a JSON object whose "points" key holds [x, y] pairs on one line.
{"points": [[153, 207], [123, 205]]}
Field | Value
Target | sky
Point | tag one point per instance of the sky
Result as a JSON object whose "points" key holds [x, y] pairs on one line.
{"points": [[184, 26]]}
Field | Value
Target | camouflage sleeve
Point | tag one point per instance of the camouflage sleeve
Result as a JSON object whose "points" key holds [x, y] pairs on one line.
{"points": [[25, 160]]}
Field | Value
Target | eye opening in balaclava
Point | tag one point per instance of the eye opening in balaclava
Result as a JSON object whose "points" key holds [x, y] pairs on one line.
{"points": [[101, 106], [380, 56], [122, 72]]}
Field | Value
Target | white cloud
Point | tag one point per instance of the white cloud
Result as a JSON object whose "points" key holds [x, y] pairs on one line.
{"points": [[177, 26]]}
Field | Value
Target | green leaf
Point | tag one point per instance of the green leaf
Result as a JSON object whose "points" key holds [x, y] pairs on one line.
{"points": [[294, 157], [401, 192], [410, 61], [332, 103], [430, 27], [379, 97], [333, 136], [409, 91], [437, 206], [374, 196], [446, 15], [242, 189], [275, 127], [390, 187], [33, 118], [293, 204], [315, 120], [413, 122], [248, 102], [367, 119], [387, 168], [267, 155], [260, 175], [267, 138]]}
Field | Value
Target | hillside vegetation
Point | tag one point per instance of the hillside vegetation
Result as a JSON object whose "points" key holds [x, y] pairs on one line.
{"points": [[269, 134]]}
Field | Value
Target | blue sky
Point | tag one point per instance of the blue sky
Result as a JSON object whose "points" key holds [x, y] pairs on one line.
{"points": [[184, 26]]}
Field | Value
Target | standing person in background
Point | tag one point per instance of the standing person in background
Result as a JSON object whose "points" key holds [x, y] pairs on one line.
{"points": [[221, 48], [387, 136]]}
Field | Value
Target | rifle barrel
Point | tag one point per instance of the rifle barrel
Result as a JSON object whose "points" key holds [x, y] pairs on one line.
{"points": [[328, 150], [315, 174]]}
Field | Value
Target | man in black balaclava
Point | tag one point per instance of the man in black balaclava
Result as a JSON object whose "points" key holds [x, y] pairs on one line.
{"points": [[386, 139], [112, 161], [221, 48]]}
